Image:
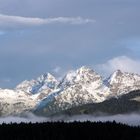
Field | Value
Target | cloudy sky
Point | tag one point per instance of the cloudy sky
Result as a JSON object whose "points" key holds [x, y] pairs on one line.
{"points": [[38, 36]]}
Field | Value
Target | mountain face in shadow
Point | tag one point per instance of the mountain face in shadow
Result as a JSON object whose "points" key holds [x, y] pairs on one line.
{"points": [[128, 103]]}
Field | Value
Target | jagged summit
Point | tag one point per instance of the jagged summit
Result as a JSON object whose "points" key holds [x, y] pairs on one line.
{"points": [[84, 69], [114, 76], [47, 80], [81, 75], [118, 72], [46, 77], [123, 82], [77, 87], [43, 82]]}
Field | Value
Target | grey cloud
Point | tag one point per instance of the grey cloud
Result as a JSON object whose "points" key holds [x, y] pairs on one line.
{"points": [[123, 63], [7, 21]]}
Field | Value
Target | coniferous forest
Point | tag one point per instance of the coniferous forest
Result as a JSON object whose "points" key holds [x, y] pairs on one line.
{"points": [[68, 131]]}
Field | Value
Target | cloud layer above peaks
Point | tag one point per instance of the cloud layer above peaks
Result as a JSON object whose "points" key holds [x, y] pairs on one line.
{"points": [[122, 63]]}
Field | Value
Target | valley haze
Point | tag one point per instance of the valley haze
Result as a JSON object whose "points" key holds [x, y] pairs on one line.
{"points": [[129, 119]]}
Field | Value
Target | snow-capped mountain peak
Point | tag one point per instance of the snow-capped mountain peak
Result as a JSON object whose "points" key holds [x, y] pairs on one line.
{"points": [[46, 78], [43, 82], [83, 75], [26, 86], [85, 86], [78, 87], [83, 69], [115, 76], [123, 82], [68, 80]]}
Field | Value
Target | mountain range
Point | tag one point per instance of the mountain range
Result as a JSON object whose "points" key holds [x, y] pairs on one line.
{"points": [[82, 91]]}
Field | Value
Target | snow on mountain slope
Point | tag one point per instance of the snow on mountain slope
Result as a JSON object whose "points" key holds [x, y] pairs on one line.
{"points": [[78, 87], [85, 76], [26, 86], [12, 102], [88, 79], [45, 82], [123, 82]]}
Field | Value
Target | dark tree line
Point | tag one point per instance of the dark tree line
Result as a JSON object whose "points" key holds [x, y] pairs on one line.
{"points": [[65, 131]]}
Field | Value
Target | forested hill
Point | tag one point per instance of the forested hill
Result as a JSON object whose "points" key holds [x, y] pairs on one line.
{"points": [[68, 131]]}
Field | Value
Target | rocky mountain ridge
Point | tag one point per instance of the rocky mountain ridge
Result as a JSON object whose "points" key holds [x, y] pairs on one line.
{"points": [[80, 87]]}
